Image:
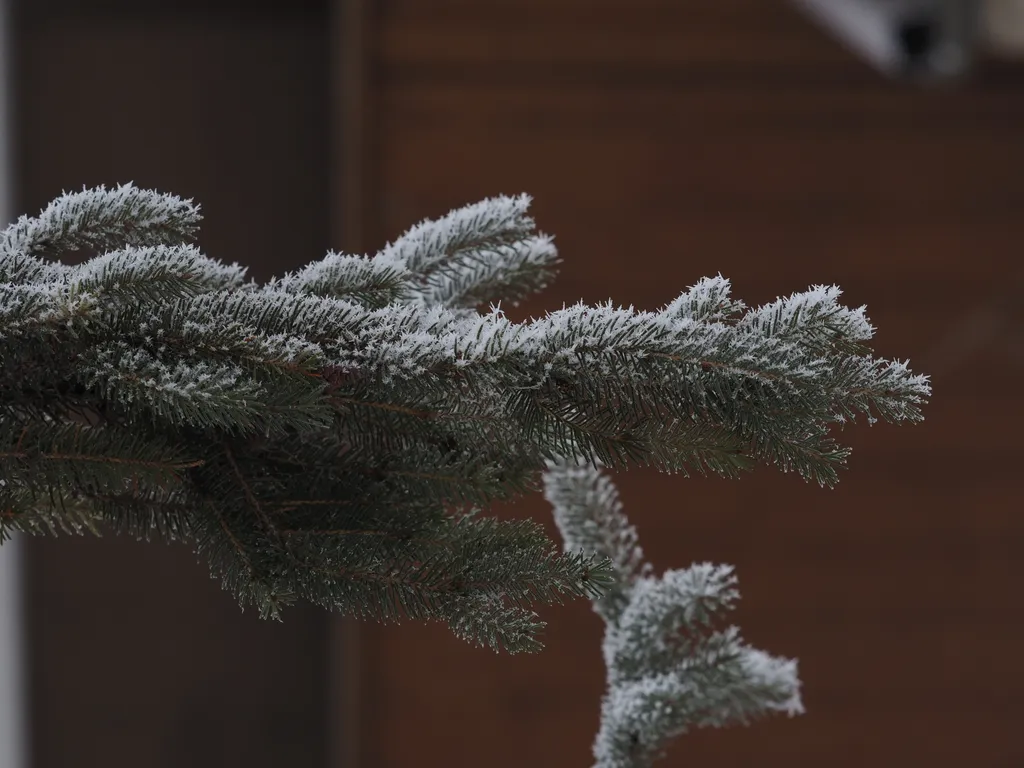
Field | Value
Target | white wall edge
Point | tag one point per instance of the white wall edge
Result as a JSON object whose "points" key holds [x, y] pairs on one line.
{"points": [[13, 692]]}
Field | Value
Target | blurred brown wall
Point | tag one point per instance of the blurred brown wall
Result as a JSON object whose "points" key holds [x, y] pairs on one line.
{"points": [[664, 141]]}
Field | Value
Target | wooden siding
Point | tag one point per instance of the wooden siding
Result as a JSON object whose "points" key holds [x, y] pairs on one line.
{"points": [[664, 141]]}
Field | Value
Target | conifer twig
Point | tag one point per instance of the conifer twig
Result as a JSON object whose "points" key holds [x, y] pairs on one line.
{"points": [[356, 402]]}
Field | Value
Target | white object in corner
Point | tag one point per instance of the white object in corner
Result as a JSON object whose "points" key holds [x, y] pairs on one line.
{"points": [[1003, 27], [916, 39]]}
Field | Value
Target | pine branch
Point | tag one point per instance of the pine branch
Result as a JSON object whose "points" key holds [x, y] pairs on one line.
{"points": [[485, 252], [101, 218], [372, 282], [312, 436], [670, 666]]}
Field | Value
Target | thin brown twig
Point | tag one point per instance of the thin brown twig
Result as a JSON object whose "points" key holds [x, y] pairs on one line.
{"points": [[249, 494], [336, 532], [104, 459], [237, 544]]}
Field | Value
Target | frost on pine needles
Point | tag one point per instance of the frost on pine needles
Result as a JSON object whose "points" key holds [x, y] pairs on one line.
{"points": [[671, 666], [331, 435]]}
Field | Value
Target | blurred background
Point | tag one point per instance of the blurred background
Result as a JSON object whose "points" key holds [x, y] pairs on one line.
{"points": [[876, 144]]}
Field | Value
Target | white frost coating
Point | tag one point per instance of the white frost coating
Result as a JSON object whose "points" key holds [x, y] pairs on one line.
{"points": [[437, 267], [139, 263], [432, 241], [473, 254], [404, 342], [789, 346], [154, 325], [341, 274], [661, 607], [707, 300], [126, 373], [102, 211], [669, 667], [490, 269], [15, 298], [590, 517], [806, 310]]}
